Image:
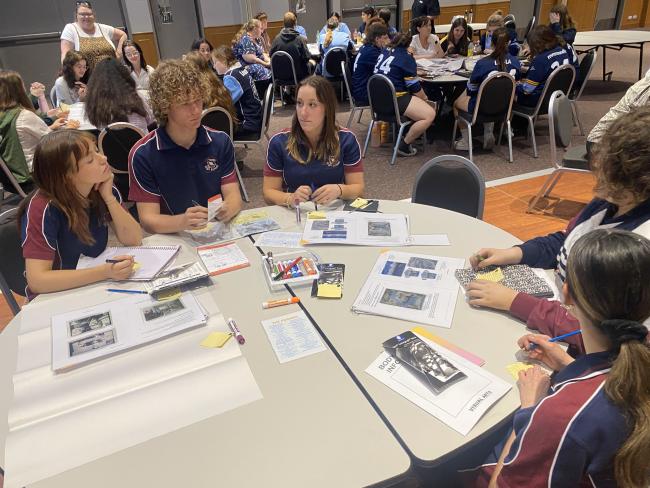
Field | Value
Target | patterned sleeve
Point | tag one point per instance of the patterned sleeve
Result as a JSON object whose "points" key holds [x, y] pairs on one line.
{"points": [[39, 230], [143, 186], [248, 46]]}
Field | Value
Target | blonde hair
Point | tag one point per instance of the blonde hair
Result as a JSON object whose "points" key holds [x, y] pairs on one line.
{"points": [[245, 29], [174, 81], [332, 25], [495, 19], [217, 95]]}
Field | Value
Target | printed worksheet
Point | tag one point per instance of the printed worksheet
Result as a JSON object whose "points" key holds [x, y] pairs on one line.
{"points": [[358, 228], [293, 336]]}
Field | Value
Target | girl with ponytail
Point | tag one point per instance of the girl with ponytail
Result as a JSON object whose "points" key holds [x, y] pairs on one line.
{"points": [[592, 426], [333, 37]]}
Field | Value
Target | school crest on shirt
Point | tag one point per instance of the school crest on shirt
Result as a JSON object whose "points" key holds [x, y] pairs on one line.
{"points": [[211, 164]]}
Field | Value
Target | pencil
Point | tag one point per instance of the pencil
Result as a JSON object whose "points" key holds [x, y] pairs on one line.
{"points": [[532, 345]]}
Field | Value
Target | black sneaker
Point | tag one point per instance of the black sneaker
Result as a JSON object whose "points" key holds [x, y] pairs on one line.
{"points": [[405, 149]]}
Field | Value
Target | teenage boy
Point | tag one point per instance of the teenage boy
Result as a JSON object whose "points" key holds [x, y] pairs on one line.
{"points": [[176, 168]]}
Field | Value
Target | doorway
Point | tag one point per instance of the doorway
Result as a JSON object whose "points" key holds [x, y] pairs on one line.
{"points": [[176, 25]]}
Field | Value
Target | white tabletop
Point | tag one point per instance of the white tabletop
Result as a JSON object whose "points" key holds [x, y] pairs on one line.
{"points": [[445, 28], [313, 426], [610, 37], [358, 338]]}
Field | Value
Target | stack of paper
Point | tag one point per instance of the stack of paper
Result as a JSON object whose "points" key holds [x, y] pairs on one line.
{"points": [[439, 67], [363, 229]]}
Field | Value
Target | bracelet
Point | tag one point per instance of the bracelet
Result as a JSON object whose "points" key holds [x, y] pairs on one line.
{"points": [[287, 201], [341, 190], [114, 200]]}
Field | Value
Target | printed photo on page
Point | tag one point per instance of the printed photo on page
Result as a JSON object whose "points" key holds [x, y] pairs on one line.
{"points": [[356, 228]]}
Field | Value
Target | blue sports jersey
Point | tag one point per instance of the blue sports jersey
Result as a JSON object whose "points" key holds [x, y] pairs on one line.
{"points": [[513, 45], [364, 65], [244, 95], [400, 68], [481, 71], [531, 87]]}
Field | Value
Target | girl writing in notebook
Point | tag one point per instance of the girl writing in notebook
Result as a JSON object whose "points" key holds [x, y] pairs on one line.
{"points": [[68, 215], [622, 169], [592, 426]]}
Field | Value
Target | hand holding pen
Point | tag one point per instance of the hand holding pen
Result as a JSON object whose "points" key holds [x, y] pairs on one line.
{"points": [[542, 348], [195, 217], [119, 267]]}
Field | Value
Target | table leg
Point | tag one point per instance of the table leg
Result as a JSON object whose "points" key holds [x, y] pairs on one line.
{"points": [[604, 61], [640, 60]]}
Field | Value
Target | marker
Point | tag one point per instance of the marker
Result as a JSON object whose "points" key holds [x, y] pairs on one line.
{"points": [[116, 290], [235, 331], [287, 268], [532, 345], [279, 303], [313, 189], [297, 203]]}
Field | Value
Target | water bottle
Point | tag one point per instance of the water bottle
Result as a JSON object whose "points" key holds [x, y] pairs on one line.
{"points": [[477, 47], [470, 49], [470, 19], [466, 15]]}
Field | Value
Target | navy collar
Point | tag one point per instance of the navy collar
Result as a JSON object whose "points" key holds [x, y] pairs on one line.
{"points": [[584, 366], [640, 210], [164, 142]]}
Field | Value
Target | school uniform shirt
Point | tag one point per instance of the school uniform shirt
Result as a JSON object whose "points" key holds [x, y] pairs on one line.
{"points": [[244, 96], [46, 234], [445, 43], [513, 45], [569, 35], [400, 68], [315, 173], [569, 439], [343, 27], [364, 65], [142, 79], [551, 252], [160, 171], [417, 45], [482, 70], [531, 87], [339, 39]]}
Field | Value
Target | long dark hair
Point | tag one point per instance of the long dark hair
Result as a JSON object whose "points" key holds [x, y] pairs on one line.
{"points": [[111, 95], [462, 45], [500, 41], [542, 38], [402, 39], [418, 22], [374, 31], [57, 156], [12, 92], [129, 43], [566, 22], [608, 273], [196, 45], [67, 68], [218, 95], [329, 147]]}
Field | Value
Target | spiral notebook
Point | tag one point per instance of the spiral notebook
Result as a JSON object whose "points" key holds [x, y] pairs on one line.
{"points": [[518, 277], [150, 260]]}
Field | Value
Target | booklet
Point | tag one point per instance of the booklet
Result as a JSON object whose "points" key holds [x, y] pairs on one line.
{"points": [[363, 229], [246, 223], [442, 383], [221, 258], [92, 333], [415, 287], [518, 277], [149, 260], [177, 276]]}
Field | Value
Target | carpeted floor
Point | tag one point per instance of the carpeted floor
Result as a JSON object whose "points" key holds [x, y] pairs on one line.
{"points": [[383, 181]]}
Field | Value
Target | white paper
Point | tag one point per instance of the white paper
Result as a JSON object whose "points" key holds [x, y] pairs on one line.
{"points": [[429, 240], [221, 258], [78, 112], [246, 223], [292, 336], [279, 239], [358, 228], [214, 204], [436, 67], [461, 405], [152, 259], [415, 287], [176, 276], [81, 336]]}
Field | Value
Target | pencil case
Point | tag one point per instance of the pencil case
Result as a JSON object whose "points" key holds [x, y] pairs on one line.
{"points": [[304, 272]]}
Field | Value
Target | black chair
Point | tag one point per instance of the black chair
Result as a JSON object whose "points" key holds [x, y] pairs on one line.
{"points": [[383, 107], [451, 182], [12, 264], [218, 119], [283, 72], [53, 99], [347, 78], [267, 107], [332, 64], [10, 183], [575, 160], [529, 27], [115, 142], [586, 66], [493, 104], [560, 79]]}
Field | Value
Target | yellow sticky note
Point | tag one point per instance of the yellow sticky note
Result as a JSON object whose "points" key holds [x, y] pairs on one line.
{"points": [[358, 203], [136, 266], [515, 368], [495, 275], [316, 215], [249, 217], [329, 290], [216, 339], [166, 295]]}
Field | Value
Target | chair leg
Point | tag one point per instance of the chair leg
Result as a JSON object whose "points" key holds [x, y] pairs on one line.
{"points": [[365, 146], [350, 118], [542, 191], [471, 143], [273, 99], [558, 173], [453, 132], [531, 127], [241, 184], [360, 114], [500, 133], [509, 140], [576, 117], [399, 138]]}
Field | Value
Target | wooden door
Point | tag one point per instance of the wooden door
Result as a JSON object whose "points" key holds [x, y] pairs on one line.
{"points": [[583, 13]]}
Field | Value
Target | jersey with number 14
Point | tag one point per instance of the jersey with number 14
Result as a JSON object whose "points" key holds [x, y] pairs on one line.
{"points": [[531, 87], [400, 68]]}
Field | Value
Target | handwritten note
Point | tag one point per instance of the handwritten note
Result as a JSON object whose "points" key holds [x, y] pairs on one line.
{"points": [[279, 239]]}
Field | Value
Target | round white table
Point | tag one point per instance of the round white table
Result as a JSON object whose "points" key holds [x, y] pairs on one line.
{"points": [[615, 40]]}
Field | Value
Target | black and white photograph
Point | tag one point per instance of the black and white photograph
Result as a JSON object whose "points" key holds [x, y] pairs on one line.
{"points": [[90, 323], [379, 229], [92, 343], [422, 263], [404, 299], [162, 309]]}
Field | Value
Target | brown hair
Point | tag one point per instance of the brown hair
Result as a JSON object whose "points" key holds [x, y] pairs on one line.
{"points": [[174, 81], [217, 95], [500, 41], [245, 28], [289, 20], [12, 92], [329, 146], [463, 44], [67, 67], [542, 38], [608, 273], [419, 22], [56, 158], [111, 95], [261, 16], [332, 25], [225, 55], [495, 19], [375, 31], [621, 162], [566, 22], [402, 39]]}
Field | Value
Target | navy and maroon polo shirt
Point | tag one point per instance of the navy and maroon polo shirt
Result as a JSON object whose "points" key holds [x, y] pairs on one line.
{"points": [[161, 171], [315, 173]]}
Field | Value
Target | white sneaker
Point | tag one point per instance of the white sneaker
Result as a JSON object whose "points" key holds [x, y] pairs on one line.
{"points": [[461, 145]]}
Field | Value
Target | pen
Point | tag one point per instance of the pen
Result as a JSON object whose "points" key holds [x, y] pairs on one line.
{"points": [[235, 331], [114, 261], [297, 212], [116, 290], [288, 268], [279, 303], [313, 189], [532, 345], [196, 204]]}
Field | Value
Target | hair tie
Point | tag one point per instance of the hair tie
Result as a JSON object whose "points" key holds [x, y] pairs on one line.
{"points": [[624, 330]]}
